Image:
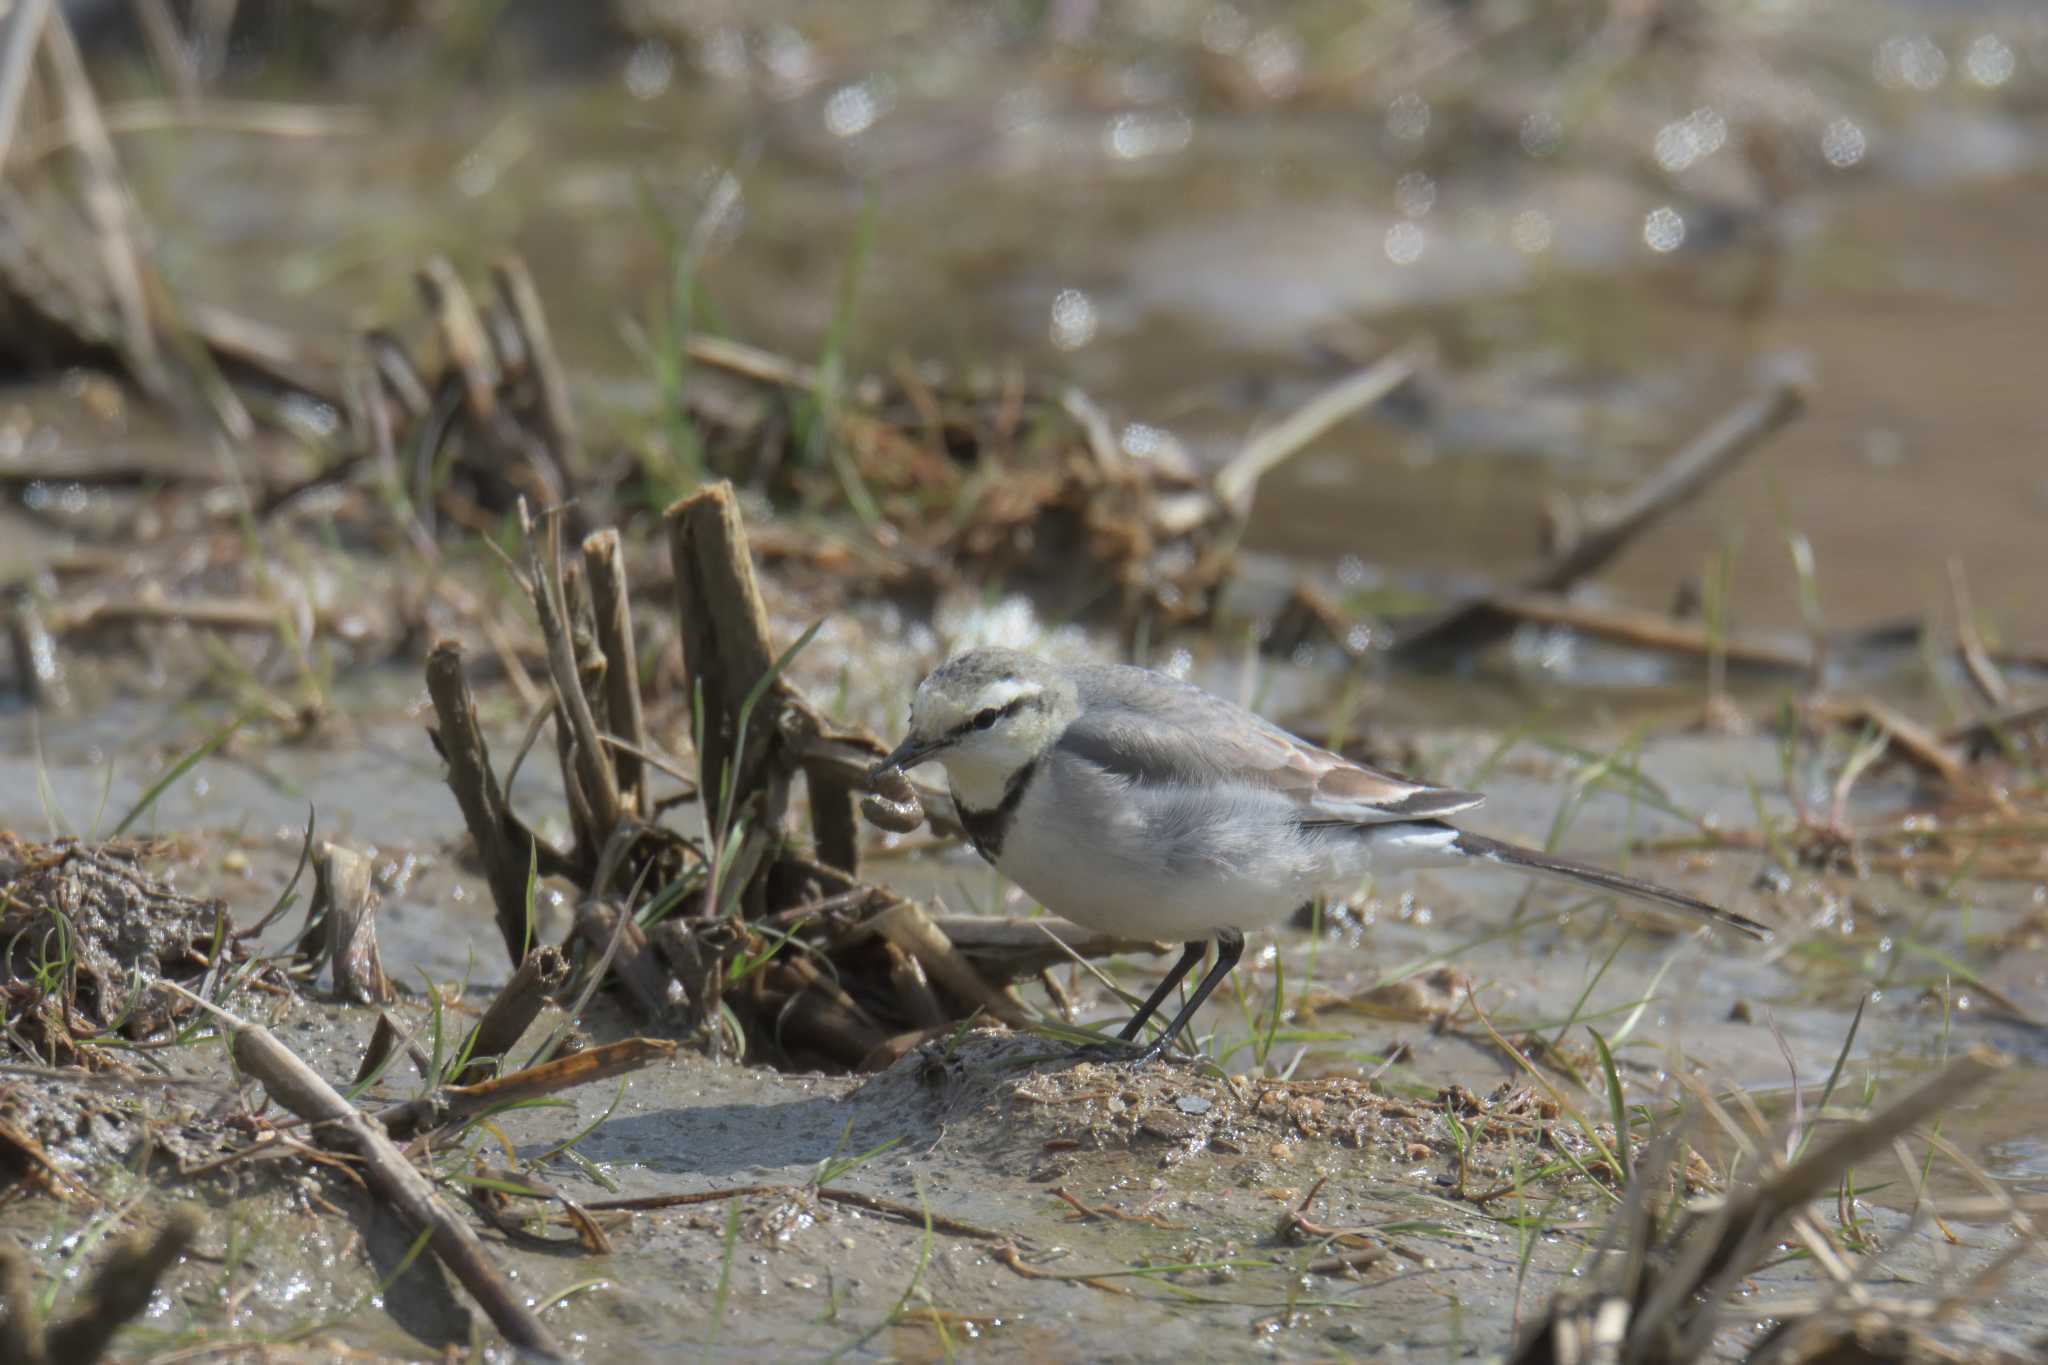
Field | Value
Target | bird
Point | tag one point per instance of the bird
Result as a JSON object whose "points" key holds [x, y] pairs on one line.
{"points": [[1137, 804]]}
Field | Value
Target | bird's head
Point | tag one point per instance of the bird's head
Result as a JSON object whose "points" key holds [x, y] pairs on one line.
{"points": [[985, 714]]}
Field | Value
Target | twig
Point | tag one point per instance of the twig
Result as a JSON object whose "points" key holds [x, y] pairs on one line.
{"points": [[604, 568], [726, 651], [1238, 480], [594, 780], [1716, 1245], [913, 989], [336, 1122], [214, 613], [609, 931], [1911, 740], [462, 332], [516, 292], [341, 924], [37, 669], [1011, 1257], [563, 1073], [750, 362], [17, 59], [106, 204], [508, 855], [1649, 630], [254, 118], [167, 48], [906, 925], [1702, 460], [1970, 644], [1086, 1211], [508, 1017], [385, 1040], [1010, 949], [1094, 424]]}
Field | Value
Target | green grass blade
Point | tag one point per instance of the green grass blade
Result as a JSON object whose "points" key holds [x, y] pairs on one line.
{"points": [[174, 772]]}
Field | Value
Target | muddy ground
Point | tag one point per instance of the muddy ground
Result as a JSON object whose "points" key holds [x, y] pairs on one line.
{"points": [[1399, 1136]]}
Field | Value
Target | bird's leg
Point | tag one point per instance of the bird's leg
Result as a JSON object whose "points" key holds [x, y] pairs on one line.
{"points": [[1229, 948], [1118, 1051], [1188, 958]]}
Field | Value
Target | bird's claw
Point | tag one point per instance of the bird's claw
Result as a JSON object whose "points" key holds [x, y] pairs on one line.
{"points": [[1120, 1051]]}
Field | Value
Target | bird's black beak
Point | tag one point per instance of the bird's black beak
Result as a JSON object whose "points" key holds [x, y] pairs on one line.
{"points": [[911, 752]]}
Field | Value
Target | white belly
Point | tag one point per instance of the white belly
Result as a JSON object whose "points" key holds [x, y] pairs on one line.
{"points": [[1169, 869], [1126, 898]]}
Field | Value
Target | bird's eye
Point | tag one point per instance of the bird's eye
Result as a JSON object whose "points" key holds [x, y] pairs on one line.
{"points": [[984, 719]]}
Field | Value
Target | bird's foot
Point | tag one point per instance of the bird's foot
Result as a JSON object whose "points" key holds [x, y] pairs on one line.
{"points": [[1121, 1051]]}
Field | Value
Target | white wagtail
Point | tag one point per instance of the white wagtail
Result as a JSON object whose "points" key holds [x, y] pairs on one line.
{"points": [[1139, 805]]}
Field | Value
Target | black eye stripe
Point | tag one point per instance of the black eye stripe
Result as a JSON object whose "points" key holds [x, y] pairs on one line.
{"points": [[983, 719]]}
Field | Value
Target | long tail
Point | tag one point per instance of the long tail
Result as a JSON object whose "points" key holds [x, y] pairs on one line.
{"points": [[1531, 860]]}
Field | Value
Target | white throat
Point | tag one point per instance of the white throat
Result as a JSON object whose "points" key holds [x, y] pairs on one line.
{"points": [[980, 781]]}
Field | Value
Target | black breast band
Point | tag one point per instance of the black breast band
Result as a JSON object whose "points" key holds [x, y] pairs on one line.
{"points": [[987, 828]]}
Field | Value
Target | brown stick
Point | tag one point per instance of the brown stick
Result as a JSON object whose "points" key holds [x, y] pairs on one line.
{"points": [[800, 1009], [508, 1017], [604, 568], [508, 860], [37, 669], [1009, 949], [338, 1124], [394, 367], [1238, 480], [563, 1073], [1649, 630], [1911, 740], [906, 925], [639, 970], [913, 989], [384, 1042], [726, 652], [516, 292], [462, 331], [1702, 460], [107, 204], [835, 825], [593, 776], [17, 60], [1715, 1250], [343, 912], [1977, 661], [233, 613], [167, 48]]}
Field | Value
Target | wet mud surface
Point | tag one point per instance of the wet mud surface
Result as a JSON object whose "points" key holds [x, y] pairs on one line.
{"points": [[1129, 242]]}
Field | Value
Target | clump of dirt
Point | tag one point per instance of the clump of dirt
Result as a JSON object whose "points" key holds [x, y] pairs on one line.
{"points": [[86, 926]]}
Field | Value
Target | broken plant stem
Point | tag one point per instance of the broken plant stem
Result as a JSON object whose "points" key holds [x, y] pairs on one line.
{"points": [[339, 1124], [604, 567], [509, 853], [596, 783]]}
